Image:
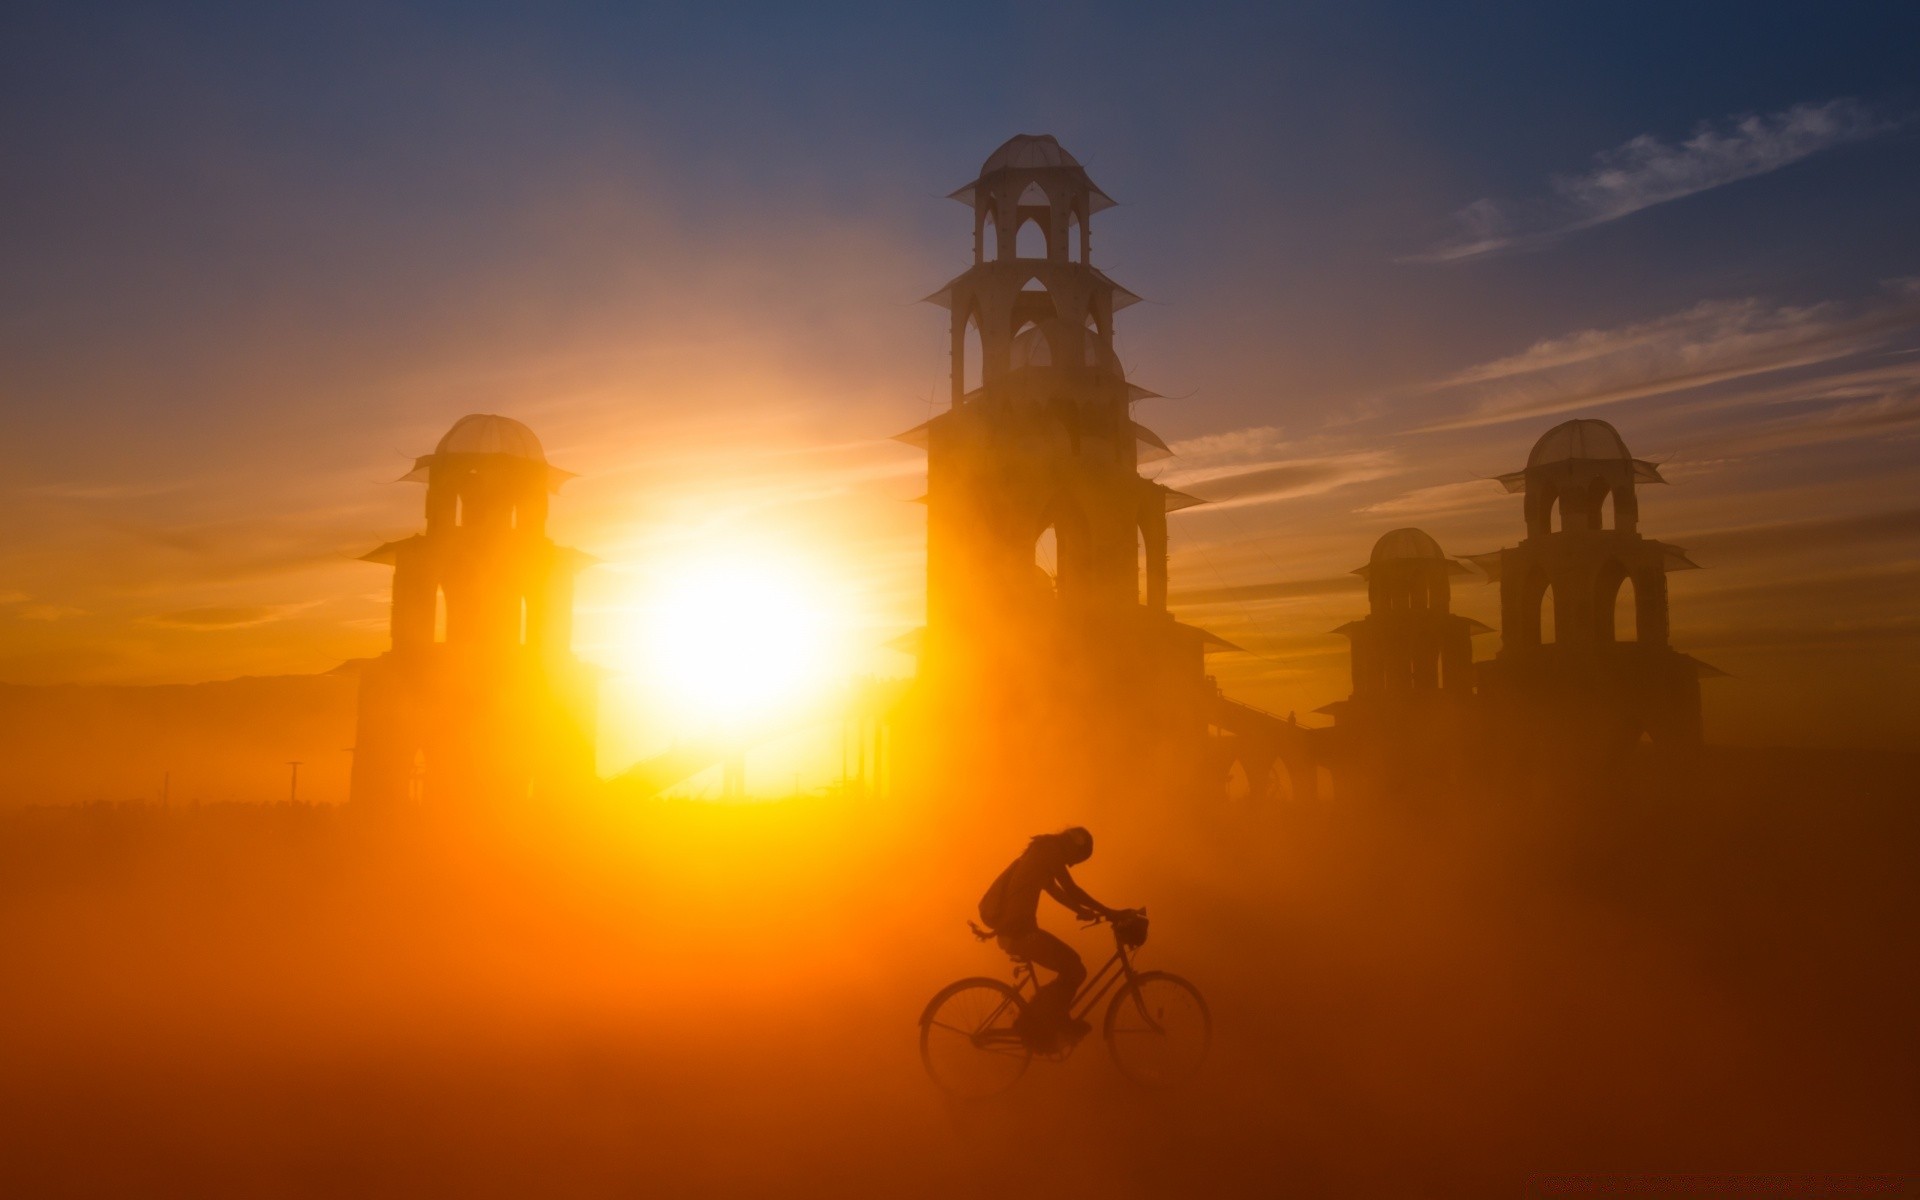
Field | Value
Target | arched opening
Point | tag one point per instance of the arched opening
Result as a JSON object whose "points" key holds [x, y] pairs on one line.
{"points": [[1046, 555], [1062, 549], [1600, 514], [459, 509], [989, 248], [972, 359], [439, 614], [1076, 239], [1030, 240], [1279, 783], [1140, 564], [1548, 633], [1238, 787], [1034, 285], [1613, 588]]}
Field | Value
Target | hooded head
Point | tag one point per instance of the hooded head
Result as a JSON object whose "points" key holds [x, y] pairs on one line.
{"points": [[1074, 845]]}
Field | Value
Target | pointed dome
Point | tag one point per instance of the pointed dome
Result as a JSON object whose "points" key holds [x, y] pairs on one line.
{"points": [[1579, 438], [488, 433], [1034, 152], [1409, 545], [1405, 543], [1028, 151]]}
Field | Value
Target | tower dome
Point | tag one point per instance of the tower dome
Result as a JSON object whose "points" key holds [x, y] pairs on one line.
{"points": [[1581, 446], [1028, 151], [1409, 551], [1581, 438], [489, 433], [491, 436], [1405, 543], [1030, 156]]}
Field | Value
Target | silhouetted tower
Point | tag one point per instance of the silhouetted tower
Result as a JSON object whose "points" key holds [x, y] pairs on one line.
{"points": [[1411, 641], [1570, 590], [1039, 446], [1406, 723], [480, 697]]}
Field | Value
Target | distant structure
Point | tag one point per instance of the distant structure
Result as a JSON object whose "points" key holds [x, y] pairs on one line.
{"points": [[1048, 648], [1585, 662], [480, 700], [1408, 726]]}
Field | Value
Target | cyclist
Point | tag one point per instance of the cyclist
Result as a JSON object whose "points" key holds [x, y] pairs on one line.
{"points": [[1010, 910]]}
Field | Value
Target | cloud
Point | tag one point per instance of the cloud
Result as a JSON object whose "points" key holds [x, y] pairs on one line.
{"points": [[1262, 483], [225, 617], [1647, 170], [1803, 537], [50, 612], [1288, 589], [1712, 342], [1463, 496]]}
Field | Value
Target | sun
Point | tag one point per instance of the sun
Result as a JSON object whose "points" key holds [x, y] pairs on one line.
{"points": [[738, 639]]}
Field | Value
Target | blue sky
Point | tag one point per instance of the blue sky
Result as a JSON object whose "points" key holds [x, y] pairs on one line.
{"points": [[257, 256]]}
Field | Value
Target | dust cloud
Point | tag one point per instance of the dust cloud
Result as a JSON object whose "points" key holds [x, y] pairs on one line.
{"points": [[683, 998]]}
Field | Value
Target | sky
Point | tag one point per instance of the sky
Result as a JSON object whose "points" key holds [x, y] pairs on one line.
{"points": [[258, 257]]}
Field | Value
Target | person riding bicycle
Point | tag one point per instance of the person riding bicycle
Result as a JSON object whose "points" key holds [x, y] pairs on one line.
{"points": [[1011, 910]]}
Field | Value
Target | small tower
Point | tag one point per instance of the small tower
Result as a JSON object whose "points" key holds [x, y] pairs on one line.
{"points": [[480, 697], [1406, 723], [1046, 548], [1567, 658]]}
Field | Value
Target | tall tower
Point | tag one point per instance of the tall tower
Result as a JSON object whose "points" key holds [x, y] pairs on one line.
{"points": [[1046, 548], [480, 697], [1569, 669], [1407, 723]]}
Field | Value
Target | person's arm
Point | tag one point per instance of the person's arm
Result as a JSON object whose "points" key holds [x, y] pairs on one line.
{"points": [[1062, 888]]}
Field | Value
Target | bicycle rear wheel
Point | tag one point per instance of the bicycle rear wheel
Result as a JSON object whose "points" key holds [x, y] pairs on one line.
{"points": [[967, 1040], [1158, 1030]]}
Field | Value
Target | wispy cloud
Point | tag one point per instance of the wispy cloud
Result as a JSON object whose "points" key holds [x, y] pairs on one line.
{"points": [[50, 612], [1648, 170], [1281, 589], [1464, 496], [1238, 485], [1796, 538], [226, 617], [1712, 342]]}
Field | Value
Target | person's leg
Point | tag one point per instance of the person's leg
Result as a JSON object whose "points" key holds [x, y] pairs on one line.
{"points": [[1055, 999]]}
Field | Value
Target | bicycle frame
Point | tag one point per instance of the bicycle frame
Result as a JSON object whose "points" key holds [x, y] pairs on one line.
{"points": [[1095, 989]]}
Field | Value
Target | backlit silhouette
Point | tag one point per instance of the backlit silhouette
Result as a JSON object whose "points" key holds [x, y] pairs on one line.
{"points": [[480, 700], [1567, 677], [1410, 722], [1048, 646]]}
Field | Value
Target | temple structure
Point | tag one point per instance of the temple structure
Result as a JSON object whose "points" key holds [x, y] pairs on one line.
{"points": [[1408, 726], [1585, 662], [480, 699], [1048, 647]]}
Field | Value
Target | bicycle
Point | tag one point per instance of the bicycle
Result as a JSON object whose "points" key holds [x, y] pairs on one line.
{"points": [[1157, 1027]]}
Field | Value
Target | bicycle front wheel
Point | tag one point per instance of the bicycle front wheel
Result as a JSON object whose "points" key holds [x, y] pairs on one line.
{"points": [[967, 1040], [1158, 1030]]}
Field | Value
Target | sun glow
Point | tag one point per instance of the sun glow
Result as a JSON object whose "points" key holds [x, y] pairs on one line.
{"points": [[736, 640]]}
